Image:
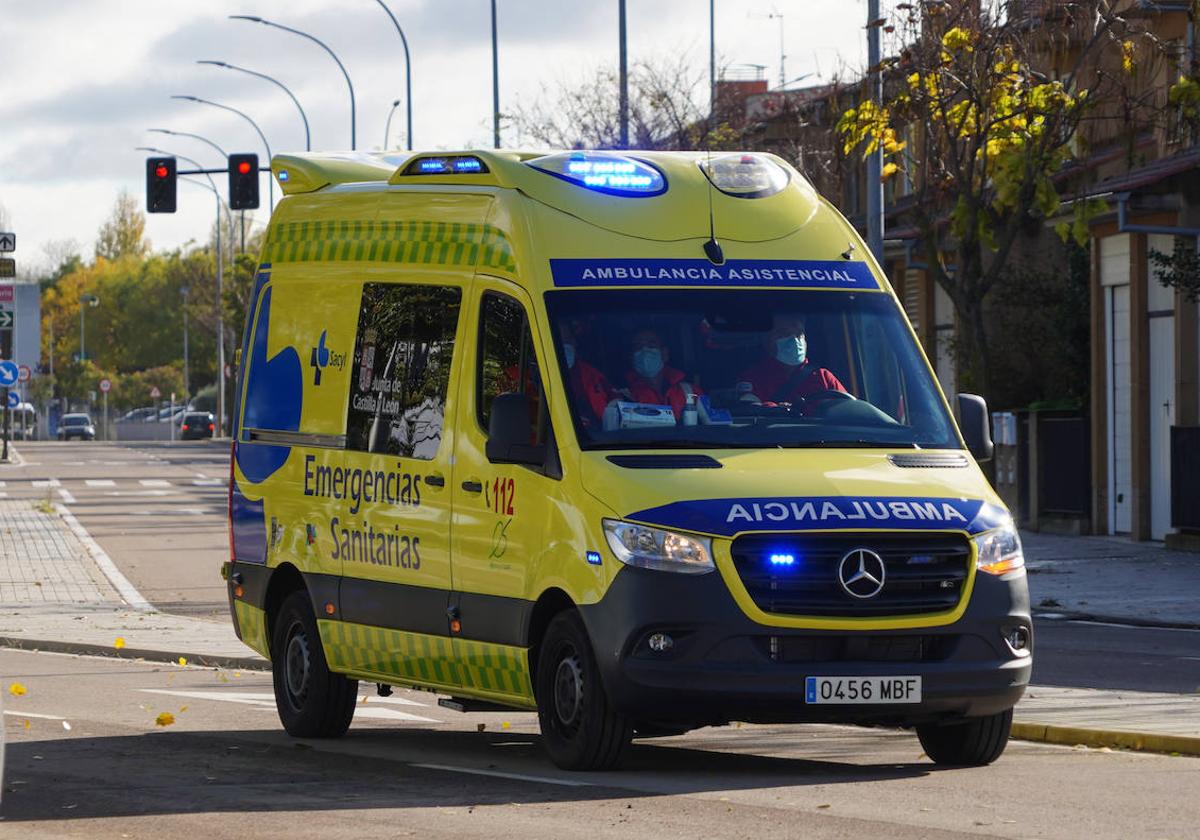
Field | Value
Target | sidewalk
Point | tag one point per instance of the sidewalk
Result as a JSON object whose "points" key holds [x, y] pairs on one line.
{"points": [[1112, 579], [54, 595]]}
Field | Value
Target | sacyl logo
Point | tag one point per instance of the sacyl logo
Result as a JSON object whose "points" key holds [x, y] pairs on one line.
{"points": [[322, 357]]}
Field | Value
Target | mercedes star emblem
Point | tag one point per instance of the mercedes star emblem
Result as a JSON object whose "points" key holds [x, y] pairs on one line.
{"points": [[861, 573]]}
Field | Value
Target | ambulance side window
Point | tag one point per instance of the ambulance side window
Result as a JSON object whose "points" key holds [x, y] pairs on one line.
{"points": [[507, 361], [401, 370]]}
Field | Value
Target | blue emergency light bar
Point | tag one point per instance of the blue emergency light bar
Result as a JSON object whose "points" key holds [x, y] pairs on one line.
{"points": [[450, 165], [604, 172]]}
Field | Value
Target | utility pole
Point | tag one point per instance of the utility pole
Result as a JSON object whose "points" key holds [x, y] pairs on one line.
{"points": [[187, 382], [495, 83], [624, 79], [875, 159], [712, 58], [782, 58]]}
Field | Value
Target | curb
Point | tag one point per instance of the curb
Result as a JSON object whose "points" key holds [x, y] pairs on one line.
{"points": [[1073, 735], [1052, 614], [242, 663]]}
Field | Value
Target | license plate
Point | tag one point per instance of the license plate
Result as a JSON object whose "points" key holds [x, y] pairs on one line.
{"points": [[847, 690]]}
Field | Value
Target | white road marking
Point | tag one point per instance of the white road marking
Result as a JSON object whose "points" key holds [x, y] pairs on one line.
{"points": [[100, 482], [208, 482], [201, 475], [33, 715], [50, 482], [188, 511], [138, 493], [66, 495], [521, 777], [3, 483], [101, 558], [266, 701], [3, 495], [154, 482]]}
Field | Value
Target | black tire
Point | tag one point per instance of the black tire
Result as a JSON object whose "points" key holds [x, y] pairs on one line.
{"points": [[580, 728], [312, 701], [972, 743]]}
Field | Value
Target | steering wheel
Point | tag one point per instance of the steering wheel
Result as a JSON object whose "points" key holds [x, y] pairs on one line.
{"points": [[818, 401]]}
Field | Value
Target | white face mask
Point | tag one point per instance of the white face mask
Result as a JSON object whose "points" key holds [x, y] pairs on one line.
{"points": [[647, 362], [569, 354], [791, 350]]}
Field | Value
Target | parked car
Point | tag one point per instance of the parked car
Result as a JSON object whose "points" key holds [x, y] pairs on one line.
{"points": [[196, 425], [76, 426], [171, 413]]}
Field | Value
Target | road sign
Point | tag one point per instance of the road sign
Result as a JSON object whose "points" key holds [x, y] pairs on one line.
{"points": [[9, 373], [8, 242], [105, 385], [155, 393], [6, 293], [6, 320], [24, 373], [8, 267], [14, 399]]}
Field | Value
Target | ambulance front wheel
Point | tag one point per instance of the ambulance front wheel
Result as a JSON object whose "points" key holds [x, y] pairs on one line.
{"points": [[312, 701], [972, 743], [580, 728]]}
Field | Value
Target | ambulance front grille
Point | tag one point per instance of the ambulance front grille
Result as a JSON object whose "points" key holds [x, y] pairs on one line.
{"points": [[924, 573]]}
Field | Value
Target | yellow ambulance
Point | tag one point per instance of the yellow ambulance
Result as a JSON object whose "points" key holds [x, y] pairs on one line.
{"points": [[640, 441]]}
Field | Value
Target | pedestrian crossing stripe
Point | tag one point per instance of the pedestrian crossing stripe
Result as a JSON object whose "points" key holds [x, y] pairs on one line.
{"points": [[252, 624], [428, 243], [482, 668]]}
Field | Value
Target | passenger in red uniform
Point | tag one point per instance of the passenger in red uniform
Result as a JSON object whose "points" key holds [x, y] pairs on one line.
{"points": [[785, 374], [651, 380], [590, 389]]}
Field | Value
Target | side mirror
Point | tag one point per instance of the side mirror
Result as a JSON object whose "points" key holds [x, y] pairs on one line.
{"points": [[973, 420], [509, 433]]}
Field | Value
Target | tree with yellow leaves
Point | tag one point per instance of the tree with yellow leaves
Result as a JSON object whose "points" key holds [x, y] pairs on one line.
{"points": [[986, 103]]}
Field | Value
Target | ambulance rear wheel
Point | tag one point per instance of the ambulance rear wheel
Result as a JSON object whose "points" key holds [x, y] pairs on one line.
{"points": [[312, 701], [972, 743], [580, 729]]}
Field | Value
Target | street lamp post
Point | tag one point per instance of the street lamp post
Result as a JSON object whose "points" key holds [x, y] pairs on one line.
{"points": [[187, 382], [407, 68], [322, 45], [92, 301], [279, 84], [261, 136], [387, 126], [220, 288], [623, 78], [495, 83]]}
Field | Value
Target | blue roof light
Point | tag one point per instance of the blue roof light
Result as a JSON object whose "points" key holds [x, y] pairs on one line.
{"points": [[446, 165], [605, 172]]}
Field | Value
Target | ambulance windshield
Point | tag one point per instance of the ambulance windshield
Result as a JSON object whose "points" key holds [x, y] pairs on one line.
{"points": [[755, 368]]}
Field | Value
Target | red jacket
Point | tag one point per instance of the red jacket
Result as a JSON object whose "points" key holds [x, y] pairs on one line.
{"points": [[643, 390], [770, 375], [590, 389]]}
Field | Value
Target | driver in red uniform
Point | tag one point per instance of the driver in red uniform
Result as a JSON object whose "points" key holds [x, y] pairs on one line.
{"points": [[785, 374]]}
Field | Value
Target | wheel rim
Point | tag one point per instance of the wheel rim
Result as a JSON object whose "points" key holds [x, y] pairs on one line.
{"points": [[568, 692], [297, 666]]}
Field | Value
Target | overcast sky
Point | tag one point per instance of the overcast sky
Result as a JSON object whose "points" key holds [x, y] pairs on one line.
{"points": [[82, 80]]}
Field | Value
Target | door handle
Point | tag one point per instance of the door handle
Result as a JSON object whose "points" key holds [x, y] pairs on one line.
{"points": [[473, 486], [435, 480]]}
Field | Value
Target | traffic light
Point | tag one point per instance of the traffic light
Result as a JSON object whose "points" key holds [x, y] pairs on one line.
{"points": [[160, 185], [243, 182]]}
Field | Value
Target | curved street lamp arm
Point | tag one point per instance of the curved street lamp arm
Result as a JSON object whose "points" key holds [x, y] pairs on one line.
{"points": [[220, 151], [407, 70], [324, 46], [261, 136], [276, 82]]}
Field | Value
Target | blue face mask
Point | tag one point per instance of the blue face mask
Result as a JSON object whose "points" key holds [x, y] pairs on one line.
{"points": [[569, 354], [647, 362], [791, 350]]}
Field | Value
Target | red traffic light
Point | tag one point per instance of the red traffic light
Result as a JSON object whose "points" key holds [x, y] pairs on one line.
{"points": [[244, 167], [161, 171]]}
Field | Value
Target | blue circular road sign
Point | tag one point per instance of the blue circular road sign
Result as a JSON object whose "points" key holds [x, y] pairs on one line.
{"points": [[9, 373], [14, 399]]}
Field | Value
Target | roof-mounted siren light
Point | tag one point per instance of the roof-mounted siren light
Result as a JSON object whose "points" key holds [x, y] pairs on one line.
{"points": [[745, 175], [604, 172]]}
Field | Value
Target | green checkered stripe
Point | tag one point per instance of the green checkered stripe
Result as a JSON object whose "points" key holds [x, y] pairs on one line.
{"points": [[426, 243], [498, 668], [253, 624]]}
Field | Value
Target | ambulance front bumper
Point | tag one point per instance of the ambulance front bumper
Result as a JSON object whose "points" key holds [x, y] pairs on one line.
{"points": [[722, 666]]}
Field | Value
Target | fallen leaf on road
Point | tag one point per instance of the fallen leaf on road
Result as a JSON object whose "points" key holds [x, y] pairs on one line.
{"points": [[182, 709], [119, 643], [16, 689], [479, 727], [28, 724], [182, 662], [824, 806], [66, 726], [506, 725], [164, 719]]}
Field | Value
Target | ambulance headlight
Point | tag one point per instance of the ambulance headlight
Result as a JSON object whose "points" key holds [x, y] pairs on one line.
{"points": [[745, 175], [654, 548], [604, 172], [999, 552]]}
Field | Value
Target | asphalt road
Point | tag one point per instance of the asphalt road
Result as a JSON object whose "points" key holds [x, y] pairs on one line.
{"points": [[408, 768], [159, 510]]}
